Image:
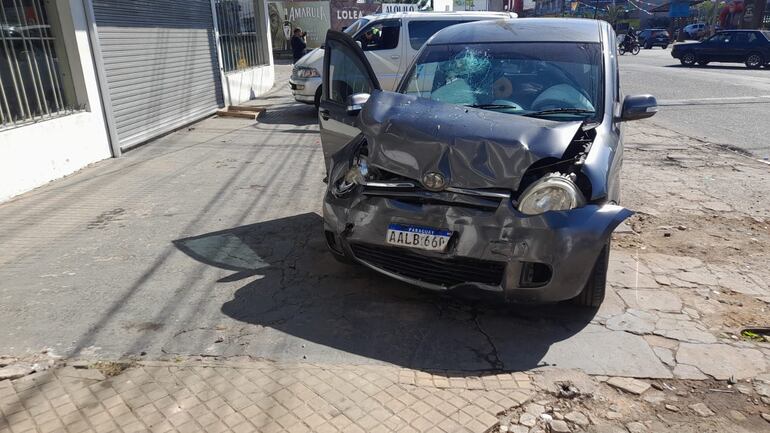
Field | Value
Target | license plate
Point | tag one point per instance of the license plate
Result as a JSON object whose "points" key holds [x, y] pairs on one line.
{"points": [[422, 238]]}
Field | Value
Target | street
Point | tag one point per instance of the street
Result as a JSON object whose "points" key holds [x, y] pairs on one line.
{"points": [[196, 264], [720, 103]]}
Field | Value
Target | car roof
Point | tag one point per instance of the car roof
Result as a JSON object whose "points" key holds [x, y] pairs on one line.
{"points": [[521, 30], [440, 15], [654, 30]]}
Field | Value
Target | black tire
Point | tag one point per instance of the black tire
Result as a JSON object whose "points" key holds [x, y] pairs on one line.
{"points": [[317, 98], [688, 59], [754, 61], [665, 46], [647, 46], [635, 50], [592, 295], [621, 50]]}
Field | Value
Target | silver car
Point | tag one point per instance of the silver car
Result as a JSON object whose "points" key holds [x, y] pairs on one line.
{"points": [[494, 166]]}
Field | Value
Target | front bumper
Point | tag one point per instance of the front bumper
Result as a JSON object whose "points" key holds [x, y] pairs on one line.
{"points": [[562, 246], [304, 89]]}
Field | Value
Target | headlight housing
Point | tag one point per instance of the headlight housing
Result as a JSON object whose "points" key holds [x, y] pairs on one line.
{"points": [[356, 175], [553, 191], [304, 72]]}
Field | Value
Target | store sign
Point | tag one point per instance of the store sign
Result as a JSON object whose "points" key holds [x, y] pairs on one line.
{"points": [[312, 17], [399, 7], [345, 12]]}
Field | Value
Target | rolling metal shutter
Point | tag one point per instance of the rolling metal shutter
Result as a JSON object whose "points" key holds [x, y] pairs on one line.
{"points": [[160, 64]]}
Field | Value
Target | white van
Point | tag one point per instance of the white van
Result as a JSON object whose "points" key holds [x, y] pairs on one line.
{"points": [[393, 42]]}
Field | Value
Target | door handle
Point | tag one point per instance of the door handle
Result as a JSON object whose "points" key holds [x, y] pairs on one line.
{"points": [[324, 113], [395, 57]]}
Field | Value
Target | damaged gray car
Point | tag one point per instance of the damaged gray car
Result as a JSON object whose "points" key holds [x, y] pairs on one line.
{"points": [[494, 166]]}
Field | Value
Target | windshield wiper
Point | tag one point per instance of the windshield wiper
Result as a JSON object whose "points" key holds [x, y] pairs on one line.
{"points": [[560, 111], [490, 106]]}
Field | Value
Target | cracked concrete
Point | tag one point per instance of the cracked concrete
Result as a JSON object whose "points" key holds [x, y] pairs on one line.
{"points": [[227, 258]]}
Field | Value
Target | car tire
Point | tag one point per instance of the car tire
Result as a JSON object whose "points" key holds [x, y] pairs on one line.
{"points": [[647, 46], [593, 292], [688, 59], [703, 62], [664, 46], [754, 61], [317, 98]]}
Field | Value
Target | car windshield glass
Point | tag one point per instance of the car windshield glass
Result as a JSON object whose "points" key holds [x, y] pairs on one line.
{"points": [[356, 26], [561, 80]]}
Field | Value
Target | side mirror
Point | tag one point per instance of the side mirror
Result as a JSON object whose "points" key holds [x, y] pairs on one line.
{"points": [[360, 44], [638, 107], [356, 101]]}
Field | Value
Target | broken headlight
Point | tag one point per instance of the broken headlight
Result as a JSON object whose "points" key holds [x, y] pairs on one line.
{"points": [[356, 175], [553, 191]]}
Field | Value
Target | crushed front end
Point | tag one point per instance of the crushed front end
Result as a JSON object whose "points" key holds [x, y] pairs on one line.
{"points": [[387, 208]]}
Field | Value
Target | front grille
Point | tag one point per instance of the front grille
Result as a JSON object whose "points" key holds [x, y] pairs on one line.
{"points": [[434, 270]]}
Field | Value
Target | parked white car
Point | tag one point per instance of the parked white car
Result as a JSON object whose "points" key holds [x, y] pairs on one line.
{"points": [[695, 31], [394, 40]]}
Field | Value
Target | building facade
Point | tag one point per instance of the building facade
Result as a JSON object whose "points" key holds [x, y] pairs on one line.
{"points": [[85, 80]]}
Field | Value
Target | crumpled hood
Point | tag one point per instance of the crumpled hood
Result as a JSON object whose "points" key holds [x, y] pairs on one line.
{"points": [[472, 148]]}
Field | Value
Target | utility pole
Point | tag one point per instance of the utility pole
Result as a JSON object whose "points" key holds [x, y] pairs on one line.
{"points": [[596, 7]]}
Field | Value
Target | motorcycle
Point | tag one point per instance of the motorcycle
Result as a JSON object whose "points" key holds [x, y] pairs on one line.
{"points": [[629, 45]]}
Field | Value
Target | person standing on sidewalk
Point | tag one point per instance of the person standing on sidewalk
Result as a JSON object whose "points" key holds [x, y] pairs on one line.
{"points": [[298, 44]]}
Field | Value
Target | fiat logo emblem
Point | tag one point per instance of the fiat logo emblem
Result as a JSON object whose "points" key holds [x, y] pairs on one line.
{"points": [[434, 181]]}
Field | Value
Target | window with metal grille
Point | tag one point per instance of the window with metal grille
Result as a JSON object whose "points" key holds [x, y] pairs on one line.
{"points": [[242, 33], [35, 80]]}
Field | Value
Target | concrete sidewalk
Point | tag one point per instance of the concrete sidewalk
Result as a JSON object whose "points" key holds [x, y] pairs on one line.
{"points": [[256, 396], [207, 245]]}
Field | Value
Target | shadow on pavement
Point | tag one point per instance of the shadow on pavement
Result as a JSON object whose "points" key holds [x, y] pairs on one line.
{"points": [[297, 114], [736, 66], [299, 289]]}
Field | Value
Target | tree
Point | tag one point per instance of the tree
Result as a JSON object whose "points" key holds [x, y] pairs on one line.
{"points": [[614, 12]]}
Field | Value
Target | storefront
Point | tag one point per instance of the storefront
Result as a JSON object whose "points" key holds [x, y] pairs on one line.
{"points": [[81, 81]]}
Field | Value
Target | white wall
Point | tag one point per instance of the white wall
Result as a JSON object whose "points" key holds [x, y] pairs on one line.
{"points": [[249, 83], [35, 154]]}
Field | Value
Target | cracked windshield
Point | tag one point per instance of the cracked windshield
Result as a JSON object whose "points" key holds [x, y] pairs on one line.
{"points": [[513, 78], [375, 216]]}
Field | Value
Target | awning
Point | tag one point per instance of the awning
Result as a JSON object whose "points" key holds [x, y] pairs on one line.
{"points": [[665, 7]]}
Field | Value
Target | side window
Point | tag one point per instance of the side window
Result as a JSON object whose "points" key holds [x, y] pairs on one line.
{"points": [[753, 38], [380, 36], [720, 38], [421, 31], [740, 39], [347, 75]]}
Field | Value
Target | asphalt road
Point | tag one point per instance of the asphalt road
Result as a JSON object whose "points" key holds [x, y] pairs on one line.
{"points": [[721, 103]]}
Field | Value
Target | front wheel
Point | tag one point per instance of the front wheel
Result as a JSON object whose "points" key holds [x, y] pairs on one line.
{"points": [[688, 59], [621, 50], [635, 50], [596, 286], [754, 61]]}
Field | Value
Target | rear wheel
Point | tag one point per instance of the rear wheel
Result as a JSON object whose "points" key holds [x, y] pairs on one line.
{"points": [[703, 62], [754, 61], [688, 59], [665, 46], [647, 46], [635, 50], [595, 288]]}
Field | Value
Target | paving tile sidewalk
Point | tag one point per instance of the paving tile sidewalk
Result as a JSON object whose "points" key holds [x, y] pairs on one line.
{"points": [[257, 396]]}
